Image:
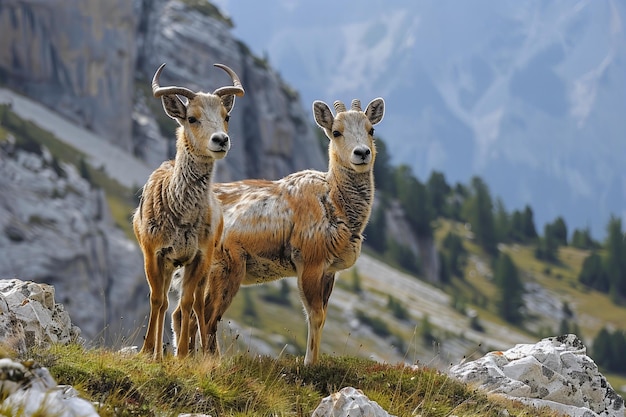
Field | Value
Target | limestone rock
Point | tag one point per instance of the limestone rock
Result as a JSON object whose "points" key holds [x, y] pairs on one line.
{"points": [[43, 320], [556, 372], [29, 390], [349, 402], [76, 56], [56, 229]]}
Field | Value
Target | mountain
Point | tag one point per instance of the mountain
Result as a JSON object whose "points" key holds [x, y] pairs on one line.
{"points": [[528, 95]]}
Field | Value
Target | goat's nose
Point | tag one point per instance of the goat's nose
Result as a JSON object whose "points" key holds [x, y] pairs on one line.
{"points": [[219, 139], [362, 152]]}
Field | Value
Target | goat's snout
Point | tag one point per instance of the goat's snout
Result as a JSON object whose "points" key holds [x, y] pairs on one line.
{"points": [[361, 155], [219, 142]]}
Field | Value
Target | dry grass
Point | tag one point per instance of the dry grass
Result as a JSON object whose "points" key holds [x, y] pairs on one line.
{"points": [[241, 384]]}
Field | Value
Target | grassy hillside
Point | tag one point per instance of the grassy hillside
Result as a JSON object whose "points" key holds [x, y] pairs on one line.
{"points": [[242, 384]]}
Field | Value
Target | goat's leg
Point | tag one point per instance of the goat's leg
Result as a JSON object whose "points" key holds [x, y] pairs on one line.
{"points": [[315, 289], [176, 319], [159, 281], [225, 279], [195, 274]]}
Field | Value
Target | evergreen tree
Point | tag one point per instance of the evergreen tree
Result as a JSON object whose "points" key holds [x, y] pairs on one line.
{"points": [[616, 259], [439, 191], [456, 254], [528, 224], [582, 239], [375, 231], [502, 222], [559, 231], [618, 350], [415, 201], [548, 247], [592, 273], [383, 171], [517, 227], [510, 289], [454, 208], [480, 215], [602, 348]]}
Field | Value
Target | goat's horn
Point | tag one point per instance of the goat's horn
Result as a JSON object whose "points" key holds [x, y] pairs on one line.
{"points": [[237, 88], [356, 105], [339, 106], [159, 91]]}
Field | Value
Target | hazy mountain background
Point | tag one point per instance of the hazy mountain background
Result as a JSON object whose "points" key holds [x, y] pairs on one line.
{"points": [[531, 96]]}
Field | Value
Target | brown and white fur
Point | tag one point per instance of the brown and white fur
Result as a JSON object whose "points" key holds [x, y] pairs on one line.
{"points": [[308, 224], [179, 220]]}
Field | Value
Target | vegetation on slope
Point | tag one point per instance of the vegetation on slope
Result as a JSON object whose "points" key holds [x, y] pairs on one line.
{"points": [[242, 384]]}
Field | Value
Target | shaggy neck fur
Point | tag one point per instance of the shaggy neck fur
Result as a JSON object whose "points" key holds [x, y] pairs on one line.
{"points": [[354, 192], [191, 181]]}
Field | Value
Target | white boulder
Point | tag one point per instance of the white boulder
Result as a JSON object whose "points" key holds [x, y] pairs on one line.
{"points": [[349, 402], [32, 317], [556, 372]]}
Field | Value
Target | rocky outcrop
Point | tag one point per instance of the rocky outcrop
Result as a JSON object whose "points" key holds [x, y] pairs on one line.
{"points": [[56, 229], [556, 372], [34, 318], [272, 134], [76, 56], [29, 390], [349, 402]]}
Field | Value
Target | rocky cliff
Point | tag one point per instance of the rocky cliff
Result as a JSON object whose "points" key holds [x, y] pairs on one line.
{"points": [[56, 229], [92, 61], [75, 56]]}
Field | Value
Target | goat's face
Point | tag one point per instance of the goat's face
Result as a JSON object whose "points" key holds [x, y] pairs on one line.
{"points": [[205, 122], [207, 125], [351, 132], [204, 118]]}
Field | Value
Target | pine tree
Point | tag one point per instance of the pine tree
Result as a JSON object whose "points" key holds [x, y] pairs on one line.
{"points": [[593, 274], [439, 191], [480, 215], [510, 289], [528, 224], [616, 259], [602, 348]]}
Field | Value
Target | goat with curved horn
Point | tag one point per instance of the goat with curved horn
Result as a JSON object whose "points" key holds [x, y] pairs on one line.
{"points": [[179, 219]]}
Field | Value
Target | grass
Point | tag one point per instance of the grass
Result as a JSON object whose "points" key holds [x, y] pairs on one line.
{"points": [[241, 384]]}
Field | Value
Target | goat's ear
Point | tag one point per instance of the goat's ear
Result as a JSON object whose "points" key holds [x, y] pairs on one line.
{"points": [[375, 111], [323, 116], [174, 107], [228, 102]]}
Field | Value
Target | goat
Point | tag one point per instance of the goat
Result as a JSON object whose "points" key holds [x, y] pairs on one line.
{"points": [[308, 224], [179, 220]]}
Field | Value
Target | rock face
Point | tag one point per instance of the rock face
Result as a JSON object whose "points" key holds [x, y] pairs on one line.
{"points": [[349, 402], [272, 135], [556, 372], [56, 229], [81, 58], [76, 56]]}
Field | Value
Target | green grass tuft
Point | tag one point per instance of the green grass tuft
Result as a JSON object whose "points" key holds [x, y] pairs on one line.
{"points": [[134, 385]]}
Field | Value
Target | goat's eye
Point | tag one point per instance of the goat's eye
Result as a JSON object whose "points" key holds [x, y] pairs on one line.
{"points": [[371, 132], [336, 133], [227, 118], [192, 119]]}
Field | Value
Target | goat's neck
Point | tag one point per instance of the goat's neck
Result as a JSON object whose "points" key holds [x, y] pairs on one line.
{"points": [[354, 192], [190, 182]]}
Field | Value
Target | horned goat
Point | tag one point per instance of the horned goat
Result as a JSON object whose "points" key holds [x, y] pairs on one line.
{"points": [[308, 224], [179, 220]]}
